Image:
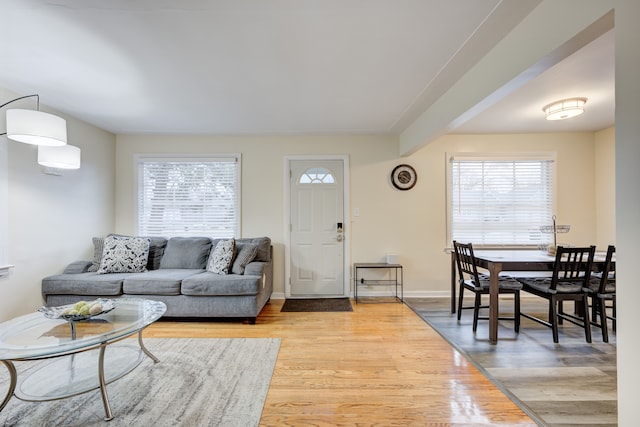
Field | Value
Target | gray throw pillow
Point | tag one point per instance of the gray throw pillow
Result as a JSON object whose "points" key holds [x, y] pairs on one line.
{"points": [[245, 253], [221, 257], [186, 252], [124, 255], [98, 245]]}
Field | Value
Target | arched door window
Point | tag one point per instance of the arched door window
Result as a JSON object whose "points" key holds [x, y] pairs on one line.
{"points": [[316, 176]]}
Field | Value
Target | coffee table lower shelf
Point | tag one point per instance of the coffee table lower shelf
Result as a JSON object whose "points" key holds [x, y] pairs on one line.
{"points": [[72, 374], [75, 374]]}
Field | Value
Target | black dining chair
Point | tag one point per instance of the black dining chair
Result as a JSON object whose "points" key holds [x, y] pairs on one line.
{"points": [[470, 280], [602, 288], [571, 273]]}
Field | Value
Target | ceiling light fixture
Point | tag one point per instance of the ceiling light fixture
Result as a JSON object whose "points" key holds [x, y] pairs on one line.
{"points": [[34, 126], [564, 109]]}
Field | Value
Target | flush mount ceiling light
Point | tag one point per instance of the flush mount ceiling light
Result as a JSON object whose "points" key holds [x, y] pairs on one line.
{"points": [[564, 109], [63, 157], [34, 126]]}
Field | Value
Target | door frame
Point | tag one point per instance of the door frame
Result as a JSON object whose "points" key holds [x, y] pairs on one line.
{"points": [[345, 215]]}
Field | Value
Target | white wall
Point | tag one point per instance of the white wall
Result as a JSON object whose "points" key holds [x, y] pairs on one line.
{"points": [[51, 219], [408, 223], [627, 205], [605, 186]]}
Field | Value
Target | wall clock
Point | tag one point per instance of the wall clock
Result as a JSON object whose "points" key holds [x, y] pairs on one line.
{"points": [[403, 177]]}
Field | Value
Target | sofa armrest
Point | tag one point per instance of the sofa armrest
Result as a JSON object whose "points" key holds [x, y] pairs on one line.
{"points": [[77, 267], [265, 270]]}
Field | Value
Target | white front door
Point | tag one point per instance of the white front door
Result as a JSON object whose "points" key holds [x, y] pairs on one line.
{"points": [[317, 229]]}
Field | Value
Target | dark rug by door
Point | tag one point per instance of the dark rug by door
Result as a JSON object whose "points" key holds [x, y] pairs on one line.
{"points": [[317, 304]]}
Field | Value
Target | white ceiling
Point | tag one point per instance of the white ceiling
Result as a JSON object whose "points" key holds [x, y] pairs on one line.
{"points": [[279, 66]]}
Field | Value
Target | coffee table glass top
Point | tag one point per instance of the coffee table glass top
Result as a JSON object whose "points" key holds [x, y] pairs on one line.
{"points": [[34, 336]]}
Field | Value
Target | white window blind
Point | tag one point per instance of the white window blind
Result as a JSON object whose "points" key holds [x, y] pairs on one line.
{"points": [[189, 197], [500, 201]]}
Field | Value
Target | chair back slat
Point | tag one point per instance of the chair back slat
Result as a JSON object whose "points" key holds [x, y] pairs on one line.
{"points": [[466, 262], [573, 265], [608, 271]]}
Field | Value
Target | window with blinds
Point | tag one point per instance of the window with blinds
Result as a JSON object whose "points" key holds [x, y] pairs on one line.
{"points": [[189, 197], [500, 201]]}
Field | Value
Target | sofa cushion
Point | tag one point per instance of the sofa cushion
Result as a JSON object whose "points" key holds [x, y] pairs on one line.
{"points": [[90, 283], [124, 255], [157, 246], [222, 257], [157, 282], [208, 283], [186, 252], [245, 253]]}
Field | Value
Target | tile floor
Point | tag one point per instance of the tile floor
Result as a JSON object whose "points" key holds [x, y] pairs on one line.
{"points": [[571, 383]]}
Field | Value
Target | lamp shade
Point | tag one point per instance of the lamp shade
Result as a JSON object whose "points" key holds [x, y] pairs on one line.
{"points": [[564, 109], [63, 157], [36, 127]]}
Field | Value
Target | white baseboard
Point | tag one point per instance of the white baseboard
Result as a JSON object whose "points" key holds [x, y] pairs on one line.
{"points": [[412, 294], [409, 294]]}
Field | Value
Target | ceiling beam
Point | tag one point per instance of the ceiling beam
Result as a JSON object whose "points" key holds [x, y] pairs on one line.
{"points": [[550, 33]]}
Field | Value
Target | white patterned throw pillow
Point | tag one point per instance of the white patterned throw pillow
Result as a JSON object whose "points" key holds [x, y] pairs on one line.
{"points": [[221, 257], [122, 254]]}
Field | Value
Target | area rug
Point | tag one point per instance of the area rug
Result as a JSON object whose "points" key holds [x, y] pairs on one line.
{"points": [[317, 304], [198, 382], [558, 385]]}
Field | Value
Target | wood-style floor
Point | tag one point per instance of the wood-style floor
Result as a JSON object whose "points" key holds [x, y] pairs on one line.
{"points": [[568, 384], [380, 365]]}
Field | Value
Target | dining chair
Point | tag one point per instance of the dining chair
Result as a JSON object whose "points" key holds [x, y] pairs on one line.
{"points": [[602, 288], [571, 273], [471, 280]]}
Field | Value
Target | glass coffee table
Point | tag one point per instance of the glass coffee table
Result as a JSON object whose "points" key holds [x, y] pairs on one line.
{"points": [[83, 357]]}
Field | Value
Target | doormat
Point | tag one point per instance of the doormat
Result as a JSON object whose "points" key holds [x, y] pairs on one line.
{"points": [[317, 304]]}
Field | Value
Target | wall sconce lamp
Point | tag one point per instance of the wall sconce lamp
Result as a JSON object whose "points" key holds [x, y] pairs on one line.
{"points": [[34, 126], [564, 109]]}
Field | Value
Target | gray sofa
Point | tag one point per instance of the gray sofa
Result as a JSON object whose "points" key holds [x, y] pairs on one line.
{"points": [[176, 274]]}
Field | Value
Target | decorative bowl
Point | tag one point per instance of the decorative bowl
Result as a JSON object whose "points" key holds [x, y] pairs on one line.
{"points": [[57, 312]]}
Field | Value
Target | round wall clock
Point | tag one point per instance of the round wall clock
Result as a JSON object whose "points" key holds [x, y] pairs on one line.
{"points": [[403, 177]]}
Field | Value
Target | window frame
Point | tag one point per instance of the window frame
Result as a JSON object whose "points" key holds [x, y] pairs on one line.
{"points": [[212, 157], [499, 156]]}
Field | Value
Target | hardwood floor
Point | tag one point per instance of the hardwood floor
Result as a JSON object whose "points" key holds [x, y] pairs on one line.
{"points": [[380, 365]]}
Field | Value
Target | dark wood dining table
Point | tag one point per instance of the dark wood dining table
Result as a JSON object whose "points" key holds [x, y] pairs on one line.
{"points": [[496, 261]]}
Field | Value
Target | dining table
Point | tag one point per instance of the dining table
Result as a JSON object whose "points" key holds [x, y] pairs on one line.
{"points": [[497, 261]]}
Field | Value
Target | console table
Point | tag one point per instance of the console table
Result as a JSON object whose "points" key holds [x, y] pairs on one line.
{"points": [[394, 278]]}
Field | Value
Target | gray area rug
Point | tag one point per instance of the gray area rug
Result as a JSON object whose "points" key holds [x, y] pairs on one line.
{"points": [[317, 304], [198, 382], [571, 383]]}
